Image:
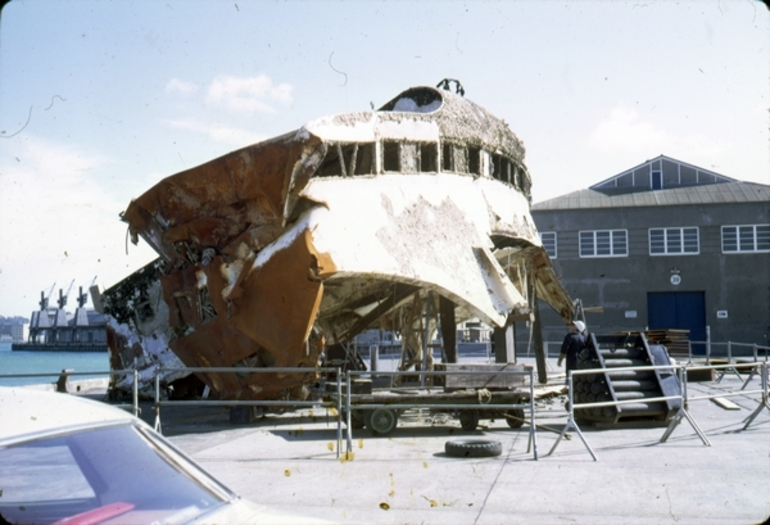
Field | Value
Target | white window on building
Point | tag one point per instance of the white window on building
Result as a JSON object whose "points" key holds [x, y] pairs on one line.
{"points": [[604, 243], [674, 241], [746, 238], [549, 243]]}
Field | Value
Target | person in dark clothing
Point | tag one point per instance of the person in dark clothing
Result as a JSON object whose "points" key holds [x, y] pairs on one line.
{"points": [[573, 344]]}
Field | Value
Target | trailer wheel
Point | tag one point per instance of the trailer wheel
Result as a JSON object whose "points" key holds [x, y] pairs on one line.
{"points": [[469, 419], [357, 419], [473, 448], [381, 421], [517, 419]]}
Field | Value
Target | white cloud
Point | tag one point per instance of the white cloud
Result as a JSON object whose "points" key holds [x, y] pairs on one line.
{"points": [[623, 131], [218, 132], [625, 134], [180, 86], [58, 223], [248, 95]]}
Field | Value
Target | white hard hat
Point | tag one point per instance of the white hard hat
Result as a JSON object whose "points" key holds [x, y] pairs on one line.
{"points": [[581, 326]]}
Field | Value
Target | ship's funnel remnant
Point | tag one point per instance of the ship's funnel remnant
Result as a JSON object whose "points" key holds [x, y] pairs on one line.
{"points": [[270, 253]]}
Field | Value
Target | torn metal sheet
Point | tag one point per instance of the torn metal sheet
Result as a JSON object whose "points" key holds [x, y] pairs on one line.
{"points": [[272, 252]]}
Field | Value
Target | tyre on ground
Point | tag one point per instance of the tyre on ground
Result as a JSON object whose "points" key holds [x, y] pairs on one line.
{"points": [[473, 448]]}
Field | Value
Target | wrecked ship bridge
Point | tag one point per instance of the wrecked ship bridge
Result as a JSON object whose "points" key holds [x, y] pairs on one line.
{"points": [[271, 253]]}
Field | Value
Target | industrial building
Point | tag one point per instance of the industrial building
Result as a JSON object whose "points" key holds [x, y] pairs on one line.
{"points": [[664, 245]]}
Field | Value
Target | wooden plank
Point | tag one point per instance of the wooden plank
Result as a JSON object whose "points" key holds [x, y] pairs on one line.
{"points": [[423, 397], [700, 375], [488, 380], [725, 403]]}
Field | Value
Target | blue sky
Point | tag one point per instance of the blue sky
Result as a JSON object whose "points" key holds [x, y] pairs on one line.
{"points": [[99, 100]]}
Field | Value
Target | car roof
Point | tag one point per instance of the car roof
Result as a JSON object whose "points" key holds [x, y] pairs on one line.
{"points": [[25, 413]]}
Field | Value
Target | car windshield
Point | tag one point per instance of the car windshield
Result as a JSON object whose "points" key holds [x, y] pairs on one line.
{"points": [[120, 474]]}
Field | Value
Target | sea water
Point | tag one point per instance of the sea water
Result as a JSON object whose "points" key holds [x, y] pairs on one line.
{"points": [[48, 362]]}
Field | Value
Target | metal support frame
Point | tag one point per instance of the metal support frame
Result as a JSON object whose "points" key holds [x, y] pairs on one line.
{"points": [[348, 416], [571, 424], [752, 373], [683, 412], [136, 393], [765, 403], [532, 443], [730, 369], [339, 411]]}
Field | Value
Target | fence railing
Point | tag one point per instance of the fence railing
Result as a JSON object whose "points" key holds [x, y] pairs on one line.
{"points": [[344, 402], [683, 397], [64, 375], [293, 403], [730, 350]]}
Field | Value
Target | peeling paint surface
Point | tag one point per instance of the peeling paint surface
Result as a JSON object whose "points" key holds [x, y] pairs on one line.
{"points": [[270, 253]]}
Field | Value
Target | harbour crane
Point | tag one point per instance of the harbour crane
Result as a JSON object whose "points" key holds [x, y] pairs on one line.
{"points": [[45, 297], [83, 297], [63, 297]]}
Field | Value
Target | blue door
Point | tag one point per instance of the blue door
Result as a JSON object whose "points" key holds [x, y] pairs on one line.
{"points": [[682, 310]]}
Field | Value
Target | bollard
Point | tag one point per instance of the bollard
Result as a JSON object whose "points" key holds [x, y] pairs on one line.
{"points": [[62, 384]]}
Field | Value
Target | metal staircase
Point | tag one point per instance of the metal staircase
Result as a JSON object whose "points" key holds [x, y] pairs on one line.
{"points": [[638, 388]]}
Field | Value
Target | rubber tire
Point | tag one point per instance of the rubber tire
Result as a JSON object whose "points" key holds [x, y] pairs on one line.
{"points": [[473, 448], [469, 419], [515, 423], [381, 421], [357, 419]]}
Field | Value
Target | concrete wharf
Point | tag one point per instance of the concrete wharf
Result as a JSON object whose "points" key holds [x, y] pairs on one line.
{"points": [[289, 462]]}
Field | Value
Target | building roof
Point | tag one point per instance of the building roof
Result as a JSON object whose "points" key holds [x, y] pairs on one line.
{"points": [[661, 181], [669, 173], [720, 193]]}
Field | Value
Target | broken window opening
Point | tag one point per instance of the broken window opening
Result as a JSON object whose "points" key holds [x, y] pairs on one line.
{"points": [[391, 153], [474, 161], [342, 160], [364, 164], [447, 159], [428, 157], [517, 177], [501, 168]]}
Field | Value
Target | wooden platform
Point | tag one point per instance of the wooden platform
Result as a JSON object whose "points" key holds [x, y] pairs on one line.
{"points": [[491, 379]]}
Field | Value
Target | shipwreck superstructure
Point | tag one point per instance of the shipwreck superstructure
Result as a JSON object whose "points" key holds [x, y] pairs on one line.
{"points": [[274, 252]]}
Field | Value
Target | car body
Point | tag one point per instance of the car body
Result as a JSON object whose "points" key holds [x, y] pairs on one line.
{"points": [[68, 460]]}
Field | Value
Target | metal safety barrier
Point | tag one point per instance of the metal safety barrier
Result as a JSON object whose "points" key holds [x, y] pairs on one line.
{"points": [[682, 412], [763, 390], [159, 402], [765, 403], [731, 349], [684, 397], [350, 399], [65, 374]]}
